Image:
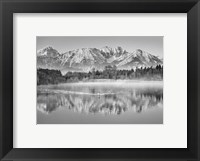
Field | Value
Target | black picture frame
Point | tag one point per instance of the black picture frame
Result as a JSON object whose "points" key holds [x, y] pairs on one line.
{"points": [[191, 7]]}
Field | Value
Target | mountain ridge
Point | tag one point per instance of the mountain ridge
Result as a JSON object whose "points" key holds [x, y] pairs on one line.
{"points": [[84, 59]]}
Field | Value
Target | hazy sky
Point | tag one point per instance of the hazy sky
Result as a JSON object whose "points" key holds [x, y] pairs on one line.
{"points": [[151, 44]]}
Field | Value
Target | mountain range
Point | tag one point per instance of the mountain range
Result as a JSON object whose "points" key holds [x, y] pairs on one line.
{"points": [[85, 59]]}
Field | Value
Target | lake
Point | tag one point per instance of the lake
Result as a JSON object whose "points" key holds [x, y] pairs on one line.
{"points": [[101, 102]]}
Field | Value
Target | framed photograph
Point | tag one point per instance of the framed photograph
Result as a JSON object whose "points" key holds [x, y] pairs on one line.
{"points": [[99, 80]]}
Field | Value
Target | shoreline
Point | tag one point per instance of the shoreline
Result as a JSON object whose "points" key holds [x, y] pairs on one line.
{"points": [[120, 80], [111, 82]]}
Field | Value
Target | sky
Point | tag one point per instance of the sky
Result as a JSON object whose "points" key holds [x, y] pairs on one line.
{"points": [[150, 44]]}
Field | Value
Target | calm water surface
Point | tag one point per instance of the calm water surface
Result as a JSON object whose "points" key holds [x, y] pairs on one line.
{"points": [[110, 102]]}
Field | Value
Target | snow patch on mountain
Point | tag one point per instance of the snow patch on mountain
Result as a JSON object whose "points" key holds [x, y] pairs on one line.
{"points": [[48, 51], [88, 58]]}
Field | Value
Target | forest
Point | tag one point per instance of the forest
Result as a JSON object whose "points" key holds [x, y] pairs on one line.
{"points": [[47, 76]]}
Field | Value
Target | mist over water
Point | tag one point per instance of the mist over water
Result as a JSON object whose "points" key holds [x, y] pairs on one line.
{"points": [[101, 102]]}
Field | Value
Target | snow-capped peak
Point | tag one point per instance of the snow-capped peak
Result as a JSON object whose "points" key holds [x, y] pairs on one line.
{"points": [[48, 51], [83, 58]]}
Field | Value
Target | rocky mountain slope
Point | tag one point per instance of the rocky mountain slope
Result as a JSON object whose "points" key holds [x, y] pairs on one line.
{"points": [[85, 59]]}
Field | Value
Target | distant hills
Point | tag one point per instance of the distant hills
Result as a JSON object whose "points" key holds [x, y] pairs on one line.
{"points": [[85, 59]]}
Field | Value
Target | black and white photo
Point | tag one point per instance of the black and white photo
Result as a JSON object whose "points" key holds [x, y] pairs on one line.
{"points": [[99, 79]]}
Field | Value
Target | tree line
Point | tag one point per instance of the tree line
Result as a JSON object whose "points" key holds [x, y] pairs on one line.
{"points": [[46, 76]]}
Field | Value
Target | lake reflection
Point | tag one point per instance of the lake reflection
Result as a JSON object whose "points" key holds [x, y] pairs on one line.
{"points": [[100, 103]]}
